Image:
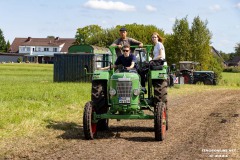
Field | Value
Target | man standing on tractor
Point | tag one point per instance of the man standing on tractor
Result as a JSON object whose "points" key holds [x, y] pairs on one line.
{"points": [[127, 60], [123, 40]]}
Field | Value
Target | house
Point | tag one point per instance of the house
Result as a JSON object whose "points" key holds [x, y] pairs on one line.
{"points": [[40, 50], [234, 62]]}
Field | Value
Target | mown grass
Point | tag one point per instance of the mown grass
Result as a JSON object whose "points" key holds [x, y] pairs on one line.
{"points": [[30, 100]]}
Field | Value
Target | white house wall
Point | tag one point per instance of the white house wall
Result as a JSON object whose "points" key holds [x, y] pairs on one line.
{"points": [[41, 50]]}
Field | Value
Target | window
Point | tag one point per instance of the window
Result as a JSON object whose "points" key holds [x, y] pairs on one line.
{"points": [[54, 49], [39, 49], [46, 49], [33, 49]]}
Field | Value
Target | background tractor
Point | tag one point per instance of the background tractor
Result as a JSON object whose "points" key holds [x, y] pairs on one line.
{"points": [[118, 94], [187, 70]]}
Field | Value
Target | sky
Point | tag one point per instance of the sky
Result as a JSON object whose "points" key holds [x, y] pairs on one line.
{"points": [[62, 18]]}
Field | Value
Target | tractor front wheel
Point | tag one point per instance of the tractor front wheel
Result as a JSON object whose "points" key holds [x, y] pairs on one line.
{"points": [[160, 118], [89, 128], [100, 104]]}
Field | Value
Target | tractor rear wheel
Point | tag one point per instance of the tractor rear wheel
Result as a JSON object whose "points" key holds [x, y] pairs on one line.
{"points": [[188, 78], [160, 91], [89, 128], [160, 118], [99, 100], [208, 82]]}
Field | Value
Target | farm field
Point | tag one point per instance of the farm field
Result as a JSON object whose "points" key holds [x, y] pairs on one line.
{"points": [[40, 119]]}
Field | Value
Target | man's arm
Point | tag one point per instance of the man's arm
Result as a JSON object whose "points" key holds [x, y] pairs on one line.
{"points": [[105, 68], [134, 59], [131, 67], [114, 65], [116, 43], [134, 41]]}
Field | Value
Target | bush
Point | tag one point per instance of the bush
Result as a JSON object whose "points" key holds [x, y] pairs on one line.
{"points": [[232, 69], [19, 60]]}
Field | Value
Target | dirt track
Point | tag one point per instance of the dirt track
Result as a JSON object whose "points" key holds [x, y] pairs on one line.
{"points": [[201, 126]]}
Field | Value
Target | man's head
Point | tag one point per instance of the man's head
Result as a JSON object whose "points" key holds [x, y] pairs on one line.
{"points": [[123, 32], [126, 50]]}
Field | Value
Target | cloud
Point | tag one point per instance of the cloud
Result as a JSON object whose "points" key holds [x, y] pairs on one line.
{"points": [[109, 5], [151, 8], [238, 5], [215, 8]]}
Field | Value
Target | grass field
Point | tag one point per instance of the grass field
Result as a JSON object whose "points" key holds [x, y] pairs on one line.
{"points": [[30, 100], [230, 79]]}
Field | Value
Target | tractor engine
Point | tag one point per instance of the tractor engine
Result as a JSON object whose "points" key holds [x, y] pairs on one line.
{"points": [[124, 93]]}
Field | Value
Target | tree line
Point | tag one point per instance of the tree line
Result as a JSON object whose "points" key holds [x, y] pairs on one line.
{"points": [[4, 46], [187, 42]]}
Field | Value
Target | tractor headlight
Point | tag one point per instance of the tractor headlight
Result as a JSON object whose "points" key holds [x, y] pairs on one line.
{"points": [[112, 92], [136, 92]]}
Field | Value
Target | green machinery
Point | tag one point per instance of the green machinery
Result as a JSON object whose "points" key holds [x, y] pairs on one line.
{"points": [[117, 94]]}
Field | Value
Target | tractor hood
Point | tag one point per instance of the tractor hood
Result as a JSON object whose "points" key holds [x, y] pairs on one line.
{"points": [[125, 76], [203, 72]]}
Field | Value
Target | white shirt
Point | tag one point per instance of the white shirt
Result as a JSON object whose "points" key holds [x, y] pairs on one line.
{"points": [[156, 50]]}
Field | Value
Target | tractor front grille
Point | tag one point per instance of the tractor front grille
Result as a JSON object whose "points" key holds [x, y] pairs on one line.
{"points": [[124, 88]]}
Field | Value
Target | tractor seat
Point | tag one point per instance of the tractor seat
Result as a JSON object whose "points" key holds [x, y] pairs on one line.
{"points": [[156, 64], [156, 67]]}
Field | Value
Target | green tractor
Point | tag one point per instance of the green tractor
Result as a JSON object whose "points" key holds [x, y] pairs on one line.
{"points": [[117, 94]]}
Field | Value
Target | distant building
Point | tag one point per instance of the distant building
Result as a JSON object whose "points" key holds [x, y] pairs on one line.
{"points": [[234, 62], [40, 50], [217, 54]]}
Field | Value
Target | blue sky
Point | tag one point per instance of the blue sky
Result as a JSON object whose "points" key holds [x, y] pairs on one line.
{"points": [[42, 18]]}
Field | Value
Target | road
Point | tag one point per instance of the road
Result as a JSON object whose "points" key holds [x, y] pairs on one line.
{"points": [[205, 125]]}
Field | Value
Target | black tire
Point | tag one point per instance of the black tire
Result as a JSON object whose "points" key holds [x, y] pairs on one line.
{"points": [[214, 82], [89, 128], [208, 82], [160, 91], [100, 104], [160, 121]]}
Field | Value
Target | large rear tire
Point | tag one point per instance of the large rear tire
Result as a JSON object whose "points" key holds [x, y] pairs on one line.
{"points": [[100, 104], [89, 128], [160, 117], [188, 77], [160, 95], [160, 91], [208, 82]]}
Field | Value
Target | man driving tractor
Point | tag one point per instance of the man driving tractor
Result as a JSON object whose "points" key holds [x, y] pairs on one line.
{"points": [[127, 60]]}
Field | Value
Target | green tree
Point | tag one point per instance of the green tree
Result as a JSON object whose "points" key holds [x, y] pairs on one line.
{"points": [[95, 35], [170, 49], [181, 41], [2, 42], [8, 46], [237, 49], [87, 34], [50, 36], [142, 32], [200, 42]]}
